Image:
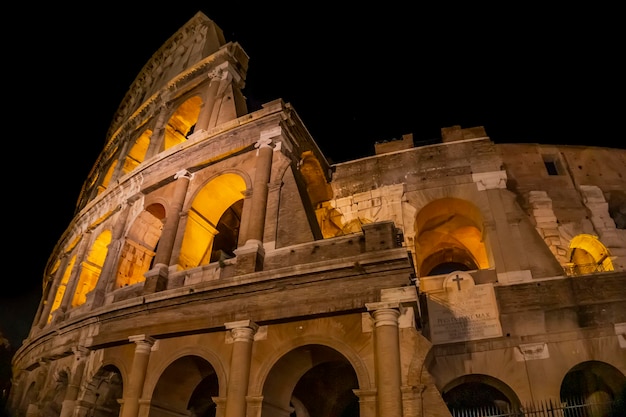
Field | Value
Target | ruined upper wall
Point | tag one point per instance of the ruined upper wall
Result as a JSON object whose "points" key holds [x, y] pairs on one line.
{"points": [[199, 38], [561, 171]]}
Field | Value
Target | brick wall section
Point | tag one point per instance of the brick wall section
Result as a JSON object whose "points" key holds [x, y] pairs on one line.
{"points": [[596, 299]]}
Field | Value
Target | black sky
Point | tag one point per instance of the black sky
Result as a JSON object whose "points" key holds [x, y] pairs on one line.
{"points": [[355, 75]]}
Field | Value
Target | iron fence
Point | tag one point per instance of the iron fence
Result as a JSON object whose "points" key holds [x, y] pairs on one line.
{"points": [[571, 408]]}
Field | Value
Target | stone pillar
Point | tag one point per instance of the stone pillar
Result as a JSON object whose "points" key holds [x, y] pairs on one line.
{"points": [[255, 405], [108, 274], [157, 139], [250, 256], [243, 336], [32, 410], [387, 358], [209, 101], [156, 279], [70, 289], [367, 402], [137, 376], [220, 405], [71, 394], [45, 312]]}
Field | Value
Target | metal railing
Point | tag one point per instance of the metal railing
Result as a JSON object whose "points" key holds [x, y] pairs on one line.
{"points": [[570, 408], [582, 269]]}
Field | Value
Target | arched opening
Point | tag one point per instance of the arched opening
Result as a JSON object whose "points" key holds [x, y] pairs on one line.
{"points": [[140, 245], [180, 125], [449, 237], [53, 400], [186, 387], [311, 381], [617, 208], [137, 152], [479, 395], [593, 386], [101, 394], [91, 268], [60, 292], [212, 229], [29, 398], [587, 255], [107, 177]]}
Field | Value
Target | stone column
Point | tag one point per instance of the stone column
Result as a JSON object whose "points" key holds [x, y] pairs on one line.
{"points": [[70, 289], [387, 358], [45, 312], [71, 394], [137, 376], [108, 274], [250, 256], [367, 402], [243, 336], [157, 139], [209, 100], [156, 279]]}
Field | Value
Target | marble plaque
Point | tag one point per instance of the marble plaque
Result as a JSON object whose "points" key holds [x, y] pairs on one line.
{"points": [[463, 311]]}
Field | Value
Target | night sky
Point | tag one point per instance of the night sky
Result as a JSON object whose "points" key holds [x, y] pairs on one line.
{"points": [[355, 75]]}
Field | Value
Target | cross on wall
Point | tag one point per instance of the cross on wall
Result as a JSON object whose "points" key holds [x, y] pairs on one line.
{"points": [[458, 280]]}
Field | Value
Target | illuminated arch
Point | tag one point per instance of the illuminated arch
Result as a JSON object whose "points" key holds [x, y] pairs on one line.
{"points": [[449, 231], [140, 245], [62, 287], [216, 209], [107, 177], [180, 125], [587, 254], [137, 153], [91, 268]]}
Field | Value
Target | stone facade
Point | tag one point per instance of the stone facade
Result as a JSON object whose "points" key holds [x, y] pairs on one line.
{"points": [[218, 265]]}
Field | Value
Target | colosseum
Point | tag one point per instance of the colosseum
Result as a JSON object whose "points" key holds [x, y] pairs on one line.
{"points": [[218, 265]]}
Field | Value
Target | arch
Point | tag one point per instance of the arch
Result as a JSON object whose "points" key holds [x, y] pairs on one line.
{"points": [[107, 177], [186, 386], [617, 208], [596, 383], [311, 379], [53, 399], [101, 394], [586, 255], [449, 231], [215, 210], [182, 122], [342, 348], [317, 186], [137, 152], [354, 226], [140, 246], [479, 391], [58, 298], [30, 397], [91, 268]]}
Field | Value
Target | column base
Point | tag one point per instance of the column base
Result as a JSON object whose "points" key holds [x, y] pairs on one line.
{"points": [[156, 279], [250, 257]]}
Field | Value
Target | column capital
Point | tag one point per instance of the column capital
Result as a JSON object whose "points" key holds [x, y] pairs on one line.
{"points": [[243, 330], [266, 136], [383, 305], [183, 173], [384, 314], [80, 351], [240, 324], [144, 343]]}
